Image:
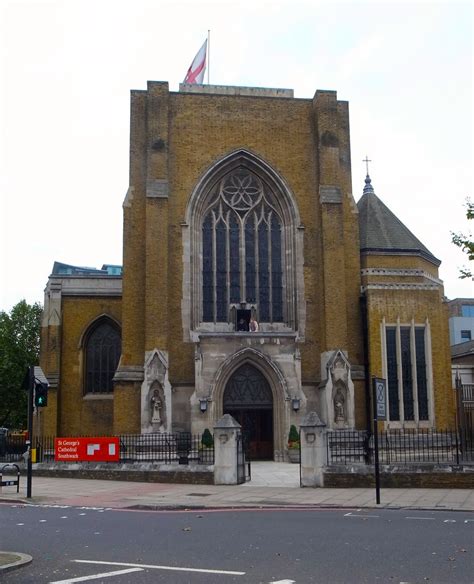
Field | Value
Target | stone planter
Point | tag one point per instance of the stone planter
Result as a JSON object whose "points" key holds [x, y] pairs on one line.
{"points": [[294, 455]]}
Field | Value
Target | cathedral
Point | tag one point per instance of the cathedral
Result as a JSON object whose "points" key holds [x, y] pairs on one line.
{"points": [[252, 284]]}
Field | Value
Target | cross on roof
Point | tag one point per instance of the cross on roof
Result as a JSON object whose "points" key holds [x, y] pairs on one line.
{"points": [[366, 160]]}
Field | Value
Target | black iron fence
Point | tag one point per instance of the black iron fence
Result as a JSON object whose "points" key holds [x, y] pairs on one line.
{"points": [[12, 447], [401, 446], [166, 448]]}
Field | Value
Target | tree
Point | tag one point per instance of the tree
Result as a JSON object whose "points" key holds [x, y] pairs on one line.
{"points": [[465, 242], [19, 348]]}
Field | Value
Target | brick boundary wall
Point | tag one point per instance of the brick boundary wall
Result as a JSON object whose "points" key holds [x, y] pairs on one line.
{"points": [[194, 475], [446, 477]]}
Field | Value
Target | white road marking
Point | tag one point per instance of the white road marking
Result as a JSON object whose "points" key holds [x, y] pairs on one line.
{"points": [[465, 521], [95, 576], [172, 568], [43, 520], [422, 518], [283, 582], [449, 521], [361, 515], [24, 524]]}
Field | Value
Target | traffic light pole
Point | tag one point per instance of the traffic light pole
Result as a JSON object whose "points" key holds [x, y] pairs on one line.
{"points": [[29, 464]]}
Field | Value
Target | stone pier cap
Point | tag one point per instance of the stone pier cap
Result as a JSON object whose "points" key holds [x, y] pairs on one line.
{"points": [[312, 420], [227, 422]]}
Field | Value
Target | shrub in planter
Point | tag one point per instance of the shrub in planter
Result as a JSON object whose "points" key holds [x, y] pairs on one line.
{"points": [[293, 437], [293, 444], [207, 440]]}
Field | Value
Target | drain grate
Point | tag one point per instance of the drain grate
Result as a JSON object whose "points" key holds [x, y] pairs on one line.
{"points": [[199, 494]]}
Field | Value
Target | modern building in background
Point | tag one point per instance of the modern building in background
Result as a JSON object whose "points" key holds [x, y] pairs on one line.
{"points": [[461, 320], [253, 283], [461, 335]]}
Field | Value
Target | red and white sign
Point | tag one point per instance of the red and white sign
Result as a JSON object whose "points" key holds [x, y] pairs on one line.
{"points": [[87, 449]]}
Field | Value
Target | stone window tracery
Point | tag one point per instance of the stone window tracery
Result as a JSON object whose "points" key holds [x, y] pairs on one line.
{"points": [[242, 249]]}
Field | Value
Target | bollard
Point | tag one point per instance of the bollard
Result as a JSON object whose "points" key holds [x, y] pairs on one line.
{"points": [[10, 483]]}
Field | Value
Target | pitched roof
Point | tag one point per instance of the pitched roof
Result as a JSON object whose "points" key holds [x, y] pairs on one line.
{"points": [[381, 231]]}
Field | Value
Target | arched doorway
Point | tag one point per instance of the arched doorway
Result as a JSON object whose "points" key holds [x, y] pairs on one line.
{"points": [[248, 398]]}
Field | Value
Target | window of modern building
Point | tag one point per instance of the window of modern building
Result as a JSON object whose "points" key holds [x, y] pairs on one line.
{"points": [[467, 310], [102, 353], [465, 335], [406, 371]]}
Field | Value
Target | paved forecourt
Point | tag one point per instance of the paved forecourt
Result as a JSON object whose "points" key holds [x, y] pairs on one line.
{"points": [[272, 484]]}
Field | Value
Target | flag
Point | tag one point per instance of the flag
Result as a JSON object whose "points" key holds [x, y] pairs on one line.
{"points": [[195, 72]]}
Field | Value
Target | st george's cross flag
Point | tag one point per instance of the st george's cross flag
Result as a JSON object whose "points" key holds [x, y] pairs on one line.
{"points": [[196, 71]]}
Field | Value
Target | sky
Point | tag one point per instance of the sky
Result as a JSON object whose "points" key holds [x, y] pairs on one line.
{"points": [[67, 68]]}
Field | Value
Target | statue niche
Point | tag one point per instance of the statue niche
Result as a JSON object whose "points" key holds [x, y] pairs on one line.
{"points": [[338, 391], [156, 394]]}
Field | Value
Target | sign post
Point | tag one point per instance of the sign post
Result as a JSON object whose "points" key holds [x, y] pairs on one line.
{"points": [[29, 467], [379, 399]]}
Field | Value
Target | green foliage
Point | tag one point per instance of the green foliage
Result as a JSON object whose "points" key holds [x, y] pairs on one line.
{"points": [[465, 242], [207, 440], [19, 348], [293, 437]]}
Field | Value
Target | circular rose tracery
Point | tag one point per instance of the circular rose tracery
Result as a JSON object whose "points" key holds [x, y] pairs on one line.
{"points": [[241, 191]]}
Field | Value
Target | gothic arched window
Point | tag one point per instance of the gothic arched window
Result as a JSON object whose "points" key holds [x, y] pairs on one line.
{"points": [[103, 346], [242, 248]]}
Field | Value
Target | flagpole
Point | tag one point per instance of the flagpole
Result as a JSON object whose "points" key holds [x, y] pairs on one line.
{"points": [[208, 55]]}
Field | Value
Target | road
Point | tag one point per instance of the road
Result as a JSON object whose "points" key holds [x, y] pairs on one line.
{"points": [[85, 544]]}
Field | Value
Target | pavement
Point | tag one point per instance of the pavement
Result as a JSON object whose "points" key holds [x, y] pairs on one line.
{"points": [[273, 485]]}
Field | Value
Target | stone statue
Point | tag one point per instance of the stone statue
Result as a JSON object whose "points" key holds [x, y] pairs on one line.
{"points": [[339, 407], [156, 408]]}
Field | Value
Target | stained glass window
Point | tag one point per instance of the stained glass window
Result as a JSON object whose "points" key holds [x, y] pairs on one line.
{"points": [[221, 272], [407, 374], [103, 348], [207, 271], [234, 251], [263, 288], [242, 252], [421, 374], [392, 374], [277, 300], [251, 295], [402, 375]]}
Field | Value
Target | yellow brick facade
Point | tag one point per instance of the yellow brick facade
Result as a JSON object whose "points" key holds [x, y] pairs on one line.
{"points": [[178, 140]]}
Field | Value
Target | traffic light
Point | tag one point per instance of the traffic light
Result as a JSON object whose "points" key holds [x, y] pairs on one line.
{"points": [[41, 394]]}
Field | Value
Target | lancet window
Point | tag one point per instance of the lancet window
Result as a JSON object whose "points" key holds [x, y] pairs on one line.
{"points": [[102, 353], [407, 375]]}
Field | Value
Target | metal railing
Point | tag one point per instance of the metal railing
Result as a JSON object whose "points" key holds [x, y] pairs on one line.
{"points": [[401, 446], [165, 448], [12, 448], [467, 393]]}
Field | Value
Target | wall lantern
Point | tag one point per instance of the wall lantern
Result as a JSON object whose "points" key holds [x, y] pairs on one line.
{"points": [[295, 404], [203, 404]]}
